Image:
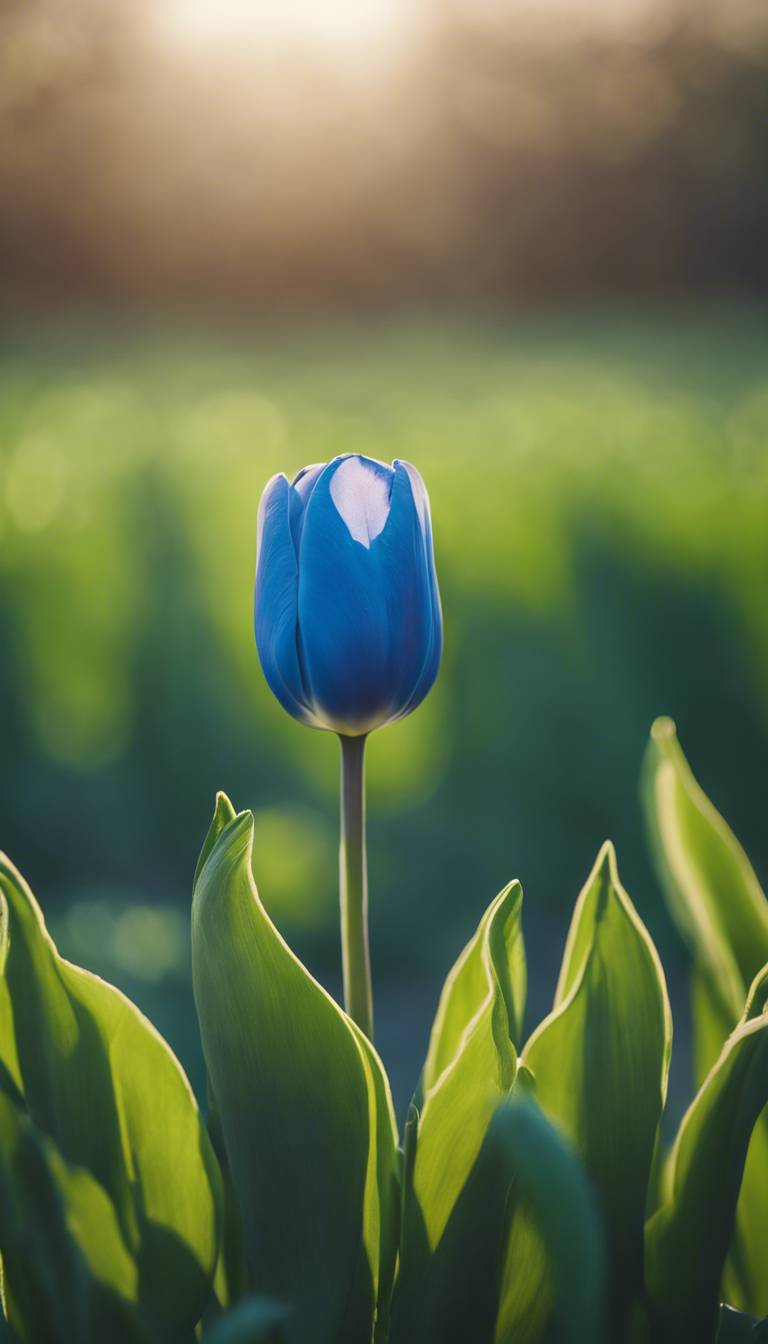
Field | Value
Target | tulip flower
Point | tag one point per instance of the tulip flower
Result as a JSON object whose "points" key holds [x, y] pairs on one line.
{"points": [[347, 610], [349, 632]]}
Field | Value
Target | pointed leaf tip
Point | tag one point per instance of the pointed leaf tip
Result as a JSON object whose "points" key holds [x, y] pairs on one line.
{"points": [[316, 1200], [493, 958], [711, 888], [223, 814], [601, 1061]]}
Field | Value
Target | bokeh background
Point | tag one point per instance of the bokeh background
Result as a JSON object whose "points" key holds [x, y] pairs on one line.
{"points": [[523, 245]]}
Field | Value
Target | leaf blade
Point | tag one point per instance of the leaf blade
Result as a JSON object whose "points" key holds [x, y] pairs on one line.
{"points": [[454, 1215], [552, 1191], [688, 1238], [100, 1082], [471, 1062], [278, 1049], [601, 1061], [711, 887], [714, 895], [67, 1272]]}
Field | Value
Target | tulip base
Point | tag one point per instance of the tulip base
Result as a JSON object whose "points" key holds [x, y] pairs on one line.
{"points": [[353, 886]]}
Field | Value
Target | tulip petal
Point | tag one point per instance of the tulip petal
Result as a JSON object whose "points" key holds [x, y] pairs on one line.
{"points": [[431, 619], [411, 599], [275, 604], [301, 489]]}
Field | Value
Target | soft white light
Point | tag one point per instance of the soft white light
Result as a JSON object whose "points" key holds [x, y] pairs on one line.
{"points": [[312, 23]]}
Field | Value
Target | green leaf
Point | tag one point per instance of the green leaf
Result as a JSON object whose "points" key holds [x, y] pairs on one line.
{"points": [[229, 1281], [710, 885], [471, 1061], [712, 1024], [498, 941], [521, 1260], [305, 1110], [746, 1274], [556, 1230], [715, 896], [735, 1327], [101, 1083], [223, 813], [601, 1060], [45, 1290], [688, 1238], [454, 1213], [68, 1276], [256, 1320], [745, 1280]]}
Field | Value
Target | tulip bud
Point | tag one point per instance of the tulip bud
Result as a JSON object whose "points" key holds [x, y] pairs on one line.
{"points": [[347, 608]]}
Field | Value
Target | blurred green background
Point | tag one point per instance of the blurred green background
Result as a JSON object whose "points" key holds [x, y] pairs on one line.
{"points": [[599, 486], [522, 246]]}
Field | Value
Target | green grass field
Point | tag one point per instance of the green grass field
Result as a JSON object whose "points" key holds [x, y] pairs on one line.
{"points": [[600, 496]]}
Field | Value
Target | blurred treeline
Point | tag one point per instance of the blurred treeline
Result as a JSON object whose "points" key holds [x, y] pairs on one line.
{"points": [[500, 150]]}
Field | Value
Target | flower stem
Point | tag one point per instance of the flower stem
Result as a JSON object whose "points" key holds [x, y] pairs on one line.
{"points": [[353, 886]]}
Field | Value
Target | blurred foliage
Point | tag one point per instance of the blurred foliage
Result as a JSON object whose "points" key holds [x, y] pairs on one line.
{"points": [[600, 492]]}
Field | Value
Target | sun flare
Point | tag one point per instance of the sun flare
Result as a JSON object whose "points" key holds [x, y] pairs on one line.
{"points": [[342, 25]]}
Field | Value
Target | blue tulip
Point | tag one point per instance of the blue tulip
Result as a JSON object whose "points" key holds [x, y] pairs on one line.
{"points": [[347, 609]]}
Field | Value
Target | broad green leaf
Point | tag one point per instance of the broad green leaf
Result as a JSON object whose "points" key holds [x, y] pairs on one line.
{"points": [[101, 1083], [716, 898], [454, 1212], [688, 1238], [67, 1273], [45, 1284], [256, 1320], [601, 1060], [449, 1293], [555, 1231], [521, 1259], [734, 1327], [710, 884], [305, 1110]]}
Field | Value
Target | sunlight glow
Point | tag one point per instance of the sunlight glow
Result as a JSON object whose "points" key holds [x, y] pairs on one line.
{"points": [[345, 24]]}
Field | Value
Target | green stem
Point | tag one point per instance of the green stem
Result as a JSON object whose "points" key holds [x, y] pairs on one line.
{"points": [[353, 886]]}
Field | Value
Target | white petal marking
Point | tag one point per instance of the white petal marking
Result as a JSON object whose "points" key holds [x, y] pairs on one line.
{"points": [[361, 496]]}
